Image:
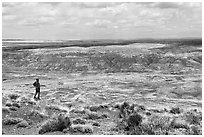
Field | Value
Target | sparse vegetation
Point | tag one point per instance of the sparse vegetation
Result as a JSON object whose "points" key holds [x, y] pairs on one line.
{"points": [[107, 61], [159, 124], [94, 116], [5, 110], [11, 121], [175, 110], [55, 108], [13, 96], [56, 124], [179, 123], [79, 121], [13, 108], [83, 129], [140, 86], [194, 118], [37, 114]]}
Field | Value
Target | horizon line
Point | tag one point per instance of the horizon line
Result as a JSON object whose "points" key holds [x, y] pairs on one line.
{"points": [[23, 39]]}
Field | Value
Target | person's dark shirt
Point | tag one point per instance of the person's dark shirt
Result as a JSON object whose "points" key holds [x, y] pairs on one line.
{"points": [[36, 85]]}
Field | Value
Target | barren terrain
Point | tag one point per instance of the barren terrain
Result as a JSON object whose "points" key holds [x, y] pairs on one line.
{"points": [[75, 80]]}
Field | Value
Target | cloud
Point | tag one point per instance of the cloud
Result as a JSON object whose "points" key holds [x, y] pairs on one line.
{"points": [[9, 17], [167, 5], [91, 19], [171, 5], [43, 20], [95, 5], [99, 23]]}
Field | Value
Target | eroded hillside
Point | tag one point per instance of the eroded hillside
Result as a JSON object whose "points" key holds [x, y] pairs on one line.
{"points": [[77, 80]]}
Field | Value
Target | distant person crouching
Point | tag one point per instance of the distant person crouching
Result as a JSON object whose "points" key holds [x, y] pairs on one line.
{"points": [[36, 84]]}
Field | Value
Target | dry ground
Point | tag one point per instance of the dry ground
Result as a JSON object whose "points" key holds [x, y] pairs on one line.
{"points": [[156, 89]]}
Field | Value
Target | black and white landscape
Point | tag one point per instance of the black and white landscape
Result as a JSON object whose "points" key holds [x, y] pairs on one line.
{"points": [[104, 68]]}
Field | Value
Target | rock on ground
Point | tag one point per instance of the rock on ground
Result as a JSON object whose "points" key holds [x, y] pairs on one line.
{"points": [[23, 123]]}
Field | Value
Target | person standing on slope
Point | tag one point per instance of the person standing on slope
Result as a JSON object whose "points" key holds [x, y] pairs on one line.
{"points": [[36, 84]]}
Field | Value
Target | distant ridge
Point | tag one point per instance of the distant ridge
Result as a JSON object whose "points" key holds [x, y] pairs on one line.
{"points": [[141, 39], [18, 44]]}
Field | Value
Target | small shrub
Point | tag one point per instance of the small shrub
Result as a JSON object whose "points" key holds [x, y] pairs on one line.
{"points": [[13, 96], [16, 105], [157, 111], [97, 108], [160, 122], [129, 123], [49, 126], [11, 121], [141, 107], [148, 113], [125, 105], [5, 110], [56, 124], [31, 102], [94, 108], [155, 125], [96, 124], [27, 101], [56, 108], [195, 130], [193, 117], [64, 119], [37, 114], [60, 83], [78, 111], [165, 110], [134, 120], [13, 108], [79, 121], [103, 106], [104, 116], [124, 110], [93, 116], [117, 106], [175, 110], [81, 129], [179, 123], [146, 129], [8, 104], [141, 130], [132, 108]]}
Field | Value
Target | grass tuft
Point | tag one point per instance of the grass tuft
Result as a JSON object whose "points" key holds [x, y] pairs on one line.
{"points": [[55, 124], [79, 121], [13, 96], [175, 110], [84, 129]]}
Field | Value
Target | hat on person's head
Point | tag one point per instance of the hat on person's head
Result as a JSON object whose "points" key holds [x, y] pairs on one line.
{"points": [[37, 79]]}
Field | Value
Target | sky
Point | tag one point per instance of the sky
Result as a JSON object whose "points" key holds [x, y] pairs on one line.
{"points": [[73, 20]]}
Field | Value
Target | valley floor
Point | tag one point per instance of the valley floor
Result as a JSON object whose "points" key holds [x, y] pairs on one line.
{"points": [[155, 91], [163, 83]]}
